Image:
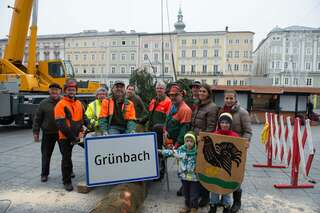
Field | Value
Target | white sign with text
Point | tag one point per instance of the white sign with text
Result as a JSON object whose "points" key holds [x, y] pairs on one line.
{"points": [[122, 158]]}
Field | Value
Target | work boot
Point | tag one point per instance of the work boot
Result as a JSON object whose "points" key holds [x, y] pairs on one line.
{"points": [[184, 210], [44, 178], [236, 201], [72, 175], [68, 187], [226, 209], [213, 209], [180, 192], [194, 210], [203, 202]]}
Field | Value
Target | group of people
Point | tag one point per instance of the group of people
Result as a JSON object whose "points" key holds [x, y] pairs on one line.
{"points": [[176, 122]]}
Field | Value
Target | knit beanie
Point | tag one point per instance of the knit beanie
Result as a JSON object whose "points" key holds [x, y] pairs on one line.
{"points": [[226, 116], [191, 135]]}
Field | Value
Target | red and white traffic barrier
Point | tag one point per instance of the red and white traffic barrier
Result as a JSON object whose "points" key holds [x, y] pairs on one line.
{"points": [[299, 153], [273, 142]]}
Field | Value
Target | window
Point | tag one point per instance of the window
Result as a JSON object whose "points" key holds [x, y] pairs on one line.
{"points": [[228, 82], [237, 41], [93, 57], [85, 44], [245, 67], [235, 82], [123, 43], [77, 70], [123, 69], [286, 81], [194, 41], [216, 41], [155, 69], [203, 81], [309, 81], [294, 65], [183, 68], [183, 53], [241, 82], [295, 81], [277, 64], [113, 56], [236, 54], [76, 57], [229, 54], [308, 51], [113, 69], [183, 42], [246, 41], [77, 44], [230, 41], [276, 81], [166, 56], [84, 71], [114, 43], [215, 82], [102, 56], [131, 69], [229, 67], [123, 57], [318, 66], [145, 57], [236, 67], [133, 43], [166, 69], [167, 45], [156, 45], [132, 56], [204, 68], [193, 68], [245, 54], [194, 53], [215, 68], [205, 53], [156, 56], [93, 43], [92, 70], [205, 41], [286, 65], [308, 66], [287, 50], [216, 53], [84, 57], [145, 45]]}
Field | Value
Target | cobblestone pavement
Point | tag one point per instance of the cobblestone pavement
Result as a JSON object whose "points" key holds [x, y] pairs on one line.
{"points": [[259, 195], [20, 186]]}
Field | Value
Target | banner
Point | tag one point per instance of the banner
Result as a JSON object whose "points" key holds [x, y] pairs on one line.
{"points": [[221, 162]]}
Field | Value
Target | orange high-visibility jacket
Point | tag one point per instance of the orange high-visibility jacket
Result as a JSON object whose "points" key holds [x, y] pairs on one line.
{"points": [[68, 115], [107, 111]]}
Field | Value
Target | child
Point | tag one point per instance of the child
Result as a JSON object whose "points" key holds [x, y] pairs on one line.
{"points": [[186, 155], [224, 128]]}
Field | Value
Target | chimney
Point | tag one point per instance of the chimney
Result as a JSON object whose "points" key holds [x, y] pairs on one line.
{"points": [[227, 28]]}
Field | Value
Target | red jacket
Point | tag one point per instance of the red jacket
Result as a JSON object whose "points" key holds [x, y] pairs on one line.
{"points": [[226, 132]]}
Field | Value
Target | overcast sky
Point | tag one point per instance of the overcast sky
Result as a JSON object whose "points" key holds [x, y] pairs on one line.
{"points": [[259, 16]]}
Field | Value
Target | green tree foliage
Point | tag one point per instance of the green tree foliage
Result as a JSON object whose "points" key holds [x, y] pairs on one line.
{"points": [[144, 84]]}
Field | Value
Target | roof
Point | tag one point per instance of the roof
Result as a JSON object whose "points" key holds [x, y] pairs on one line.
{"points": [[267, 89]]}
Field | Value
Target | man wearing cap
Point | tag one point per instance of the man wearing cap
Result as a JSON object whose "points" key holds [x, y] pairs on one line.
{"points": [[179, 118], [117, 114], [44, 120], [93, 110], [69, 117], [195, 86]]}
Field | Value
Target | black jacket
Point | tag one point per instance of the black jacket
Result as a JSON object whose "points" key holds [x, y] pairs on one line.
{"points": [[44, 117]]}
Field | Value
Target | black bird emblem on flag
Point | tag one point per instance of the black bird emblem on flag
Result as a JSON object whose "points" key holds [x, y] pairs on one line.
{"points": [[221, 155]]}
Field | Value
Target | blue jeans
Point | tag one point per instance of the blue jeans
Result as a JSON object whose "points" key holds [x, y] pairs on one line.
{"points": [[225, 199]]}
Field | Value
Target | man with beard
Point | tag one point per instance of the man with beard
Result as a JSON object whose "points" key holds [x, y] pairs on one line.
{"points": [[117, 114], [69, 117]]}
